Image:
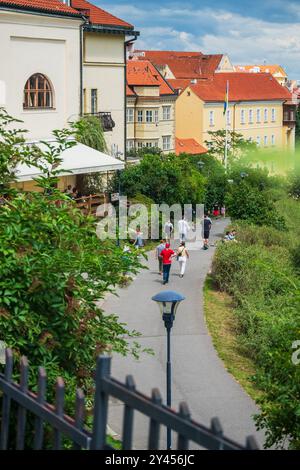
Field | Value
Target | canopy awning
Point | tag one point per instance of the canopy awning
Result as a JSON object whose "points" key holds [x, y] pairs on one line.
{"points": [[76, 160]]}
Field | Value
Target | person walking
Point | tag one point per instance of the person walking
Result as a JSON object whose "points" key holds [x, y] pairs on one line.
{"points": [[182, 256], [159, 249], [139, 242], [206, 231], [183, 228], [167, 255], [168, 229], [223, 211]]}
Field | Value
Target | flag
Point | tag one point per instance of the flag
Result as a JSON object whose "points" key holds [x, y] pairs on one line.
{"points": [[226, 98]]}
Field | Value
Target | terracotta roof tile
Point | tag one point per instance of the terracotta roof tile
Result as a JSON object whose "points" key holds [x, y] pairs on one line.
{"points": [[53, 6], [98, 16], [242, 87], [190, 146], [184, 65], [143, 73]]}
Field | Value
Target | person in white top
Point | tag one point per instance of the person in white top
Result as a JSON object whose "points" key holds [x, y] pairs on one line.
{"points": [[182, 256], [168, 229], [183, 228]]}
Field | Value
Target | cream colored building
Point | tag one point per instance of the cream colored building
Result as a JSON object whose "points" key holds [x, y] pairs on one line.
{"points": [[104, 70], [150, 108], [276, 70], [259, 109]]}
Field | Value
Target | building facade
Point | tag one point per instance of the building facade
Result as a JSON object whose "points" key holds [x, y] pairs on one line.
{"points": [[104, 71], [150, 108], [259, 109]]}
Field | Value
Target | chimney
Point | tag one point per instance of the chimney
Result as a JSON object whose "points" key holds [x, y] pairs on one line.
{"points": [[194, 81]]}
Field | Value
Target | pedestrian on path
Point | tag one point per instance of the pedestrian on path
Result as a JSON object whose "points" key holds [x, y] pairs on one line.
{"points": [[206, 231], [183, 228], [139, 242], [159, 249], [167, 254], [182, 256], [168, 229]]}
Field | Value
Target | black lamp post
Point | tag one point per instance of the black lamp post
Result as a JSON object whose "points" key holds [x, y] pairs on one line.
{"points": [[168, 302]]}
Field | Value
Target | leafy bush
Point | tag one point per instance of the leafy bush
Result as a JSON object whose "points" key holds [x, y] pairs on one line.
{"points": [[258, 273]]}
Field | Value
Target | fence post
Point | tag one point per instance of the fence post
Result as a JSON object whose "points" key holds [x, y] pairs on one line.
{"points": [[128, 419], [217, 429], [184, 412], [6, 400], [100, 404], [153, 441], [22, 411]]}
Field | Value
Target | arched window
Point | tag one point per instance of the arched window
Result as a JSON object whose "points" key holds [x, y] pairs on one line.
{"points": [[38, 93]]}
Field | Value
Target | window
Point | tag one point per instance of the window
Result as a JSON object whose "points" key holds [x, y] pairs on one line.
{"points": [[265, 140], [94, 100], [38, 92], [273, 139], [273, 113], [166, 142], [140, 115], [150, 144], [258, 140], [166, 113], [258, 115], [266, 115], [140, 145], [130, 144], [156, 119], [211, 118], [228, 117], [250, 116], [130, 114], [149, 116], [242, 116]]}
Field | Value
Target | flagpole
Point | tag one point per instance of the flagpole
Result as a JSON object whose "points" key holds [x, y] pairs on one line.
{"points": [[226, 128]]}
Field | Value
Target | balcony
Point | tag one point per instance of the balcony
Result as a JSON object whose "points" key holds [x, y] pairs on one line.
{"points": [[106, 120], [289, 115]]}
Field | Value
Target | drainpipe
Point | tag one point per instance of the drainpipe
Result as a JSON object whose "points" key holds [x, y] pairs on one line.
{"points": [[135, 34], [85, 21]]}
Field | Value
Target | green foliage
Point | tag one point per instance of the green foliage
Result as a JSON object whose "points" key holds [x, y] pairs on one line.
{"points": [[294, 185], [53, 271], [237, 146], [89, 131], [163, 178], [250, 197], [258, 273], [139, 153]]}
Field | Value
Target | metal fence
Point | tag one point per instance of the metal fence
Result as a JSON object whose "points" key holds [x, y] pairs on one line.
{"points": [[160, 417]]}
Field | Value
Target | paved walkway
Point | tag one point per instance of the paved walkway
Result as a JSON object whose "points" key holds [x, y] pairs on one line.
{"points": [[199, 377]]}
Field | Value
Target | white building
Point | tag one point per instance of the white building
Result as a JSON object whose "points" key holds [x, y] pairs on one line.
{"points": [[59, 61]]}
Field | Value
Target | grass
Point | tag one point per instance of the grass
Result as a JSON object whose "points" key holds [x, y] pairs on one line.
{"points": [[221, 323]]}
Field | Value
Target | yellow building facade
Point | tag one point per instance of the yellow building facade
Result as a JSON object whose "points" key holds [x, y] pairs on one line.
{"points": [[268, 122]]}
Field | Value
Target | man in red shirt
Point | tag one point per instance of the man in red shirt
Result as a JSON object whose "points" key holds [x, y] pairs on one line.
{"points": [[167, 255]]}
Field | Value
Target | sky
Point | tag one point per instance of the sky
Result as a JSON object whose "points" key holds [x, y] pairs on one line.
{"points": [[249, 31]]}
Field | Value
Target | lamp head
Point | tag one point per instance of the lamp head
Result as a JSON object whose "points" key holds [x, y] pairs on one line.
{"points": [[168, 302]]}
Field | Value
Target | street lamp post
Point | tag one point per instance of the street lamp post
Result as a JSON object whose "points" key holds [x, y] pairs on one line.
{"points": [[168, 302]]}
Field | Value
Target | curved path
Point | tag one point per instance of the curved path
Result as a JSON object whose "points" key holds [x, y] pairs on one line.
{"points": [[199, 376]]}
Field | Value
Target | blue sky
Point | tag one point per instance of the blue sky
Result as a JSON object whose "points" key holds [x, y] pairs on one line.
{"points": [[249, 31]]}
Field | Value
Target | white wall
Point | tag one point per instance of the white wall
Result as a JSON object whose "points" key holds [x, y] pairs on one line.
{"points": [[104, 70], [40, 44]]}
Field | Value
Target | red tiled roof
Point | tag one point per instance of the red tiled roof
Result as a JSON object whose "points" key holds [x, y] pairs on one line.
{"points": [[242, 87], [143, 73], [190, 146], [273, 68], [184, 64], [53, 6], [98, 16], [129, 91]]}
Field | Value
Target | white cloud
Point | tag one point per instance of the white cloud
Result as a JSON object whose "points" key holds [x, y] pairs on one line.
{"points": [[244, 38]]}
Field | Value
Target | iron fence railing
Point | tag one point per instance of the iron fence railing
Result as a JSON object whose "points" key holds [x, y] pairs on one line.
{"points": [[105, 387]]}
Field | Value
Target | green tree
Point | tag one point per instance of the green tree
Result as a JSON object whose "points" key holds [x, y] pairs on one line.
{"points": [[89, 131], [237, 145], [53, 271]]}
